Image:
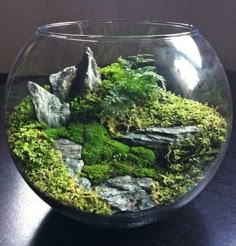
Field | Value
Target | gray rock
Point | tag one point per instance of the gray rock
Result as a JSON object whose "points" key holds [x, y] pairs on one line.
{"points": [[48, 107], [61, 82], [125, 193], [87, 73], [129, 183], [69, 148], [171, 131], [157, 137], [84, 183], [71, 154]]}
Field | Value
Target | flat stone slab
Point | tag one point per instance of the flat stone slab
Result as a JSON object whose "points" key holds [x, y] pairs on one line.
{"points": [[157, 137]]}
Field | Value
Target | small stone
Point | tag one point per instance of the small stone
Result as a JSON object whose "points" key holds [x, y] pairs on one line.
{"points": [[84, 183], [62, 81], [69, 148], [74, 165], [48, 107], [71, 154]]}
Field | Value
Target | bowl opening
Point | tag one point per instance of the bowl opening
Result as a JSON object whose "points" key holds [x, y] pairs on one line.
{"points": [[116, 29]]}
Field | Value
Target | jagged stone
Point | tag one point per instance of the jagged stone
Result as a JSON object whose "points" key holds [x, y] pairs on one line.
{"points": [[71, 154], [61, 82], [48, 107], [88, 76], [84, 183], [157, 137], [125, 193]]}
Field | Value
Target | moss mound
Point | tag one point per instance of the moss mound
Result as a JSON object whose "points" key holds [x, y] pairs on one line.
{"points": [[105, 157], [43, 165], [132, 96]]}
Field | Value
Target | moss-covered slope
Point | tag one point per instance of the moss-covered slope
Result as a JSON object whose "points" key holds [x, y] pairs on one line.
{"points": [[132, 96]]}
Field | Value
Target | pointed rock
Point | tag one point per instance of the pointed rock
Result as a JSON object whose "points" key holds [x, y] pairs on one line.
{"points": [[61, 82], [88, 76], [48, 107]]}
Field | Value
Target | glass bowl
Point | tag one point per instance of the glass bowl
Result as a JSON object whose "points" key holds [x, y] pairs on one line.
{"points": [[117, 124]]}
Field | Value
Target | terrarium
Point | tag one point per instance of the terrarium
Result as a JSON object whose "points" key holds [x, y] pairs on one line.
{"points": [[117, 124]]}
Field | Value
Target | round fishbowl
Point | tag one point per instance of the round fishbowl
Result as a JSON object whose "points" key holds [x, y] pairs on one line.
{"points": [[117, 124]]}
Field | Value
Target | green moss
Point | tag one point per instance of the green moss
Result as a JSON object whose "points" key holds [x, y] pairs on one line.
{"points": [[122, 168], [98, 147], [76, 132], [92, 154], [132, 96], [127, 168], [98, 173], [44, 167], [100, 151], [95, 133], [145, 156], [56, 133], [146, 172], [95, 138], [86, 107], [118, 149], [171, 187], [23, 115]]}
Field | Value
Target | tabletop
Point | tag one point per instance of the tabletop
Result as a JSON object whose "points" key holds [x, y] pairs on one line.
{"points": [[208, 220]]}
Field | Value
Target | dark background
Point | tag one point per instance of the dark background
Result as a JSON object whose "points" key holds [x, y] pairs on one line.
{"points": [[216, 20], [209, 220]]}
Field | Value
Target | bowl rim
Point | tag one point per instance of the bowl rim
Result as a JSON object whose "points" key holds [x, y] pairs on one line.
{"points": [[48, 30]]}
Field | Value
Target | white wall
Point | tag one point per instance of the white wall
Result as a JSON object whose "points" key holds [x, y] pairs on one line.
{"points": [[215, 18]]}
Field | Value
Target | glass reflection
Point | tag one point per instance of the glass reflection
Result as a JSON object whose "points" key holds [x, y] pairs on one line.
{"points": [[185, 65]]}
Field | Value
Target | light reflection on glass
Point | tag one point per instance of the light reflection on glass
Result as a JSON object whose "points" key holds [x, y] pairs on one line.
{"points": [[187, 66], [188, 72]]}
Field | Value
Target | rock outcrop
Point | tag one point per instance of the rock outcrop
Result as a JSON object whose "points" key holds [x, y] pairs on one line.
{"points": [[125, 193], [48, 107], [157, 137]]}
